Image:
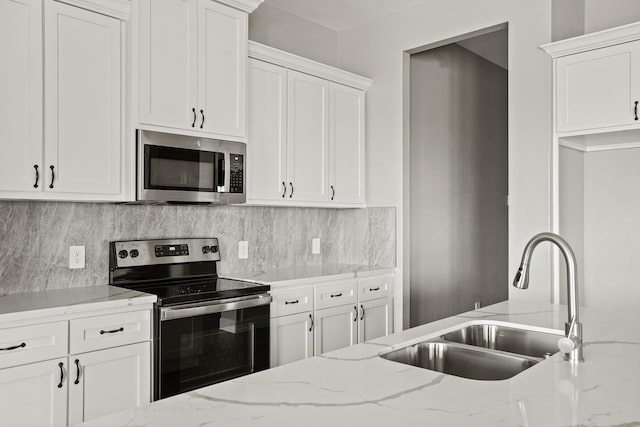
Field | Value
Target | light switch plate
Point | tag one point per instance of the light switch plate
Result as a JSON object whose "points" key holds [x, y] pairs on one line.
{"points": [[315, 246], [76, 257], [243, 249]]}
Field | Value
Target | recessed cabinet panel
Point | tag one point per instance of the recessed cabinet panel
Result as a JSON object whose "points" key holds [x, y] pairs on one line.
{"points": [[168, 63], [376, 319], [291, 338], [598, 88], [307, 137], [335, 328], [266, 149], [21, 100], [222, 68], [35, 394], [346, 145], [83, 105]]}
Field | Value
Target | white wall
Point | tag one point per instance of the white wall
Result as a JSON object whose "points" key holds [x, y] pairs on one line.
{"points": [[603, 14], [376, 50], [282, 30], [567, 19]]}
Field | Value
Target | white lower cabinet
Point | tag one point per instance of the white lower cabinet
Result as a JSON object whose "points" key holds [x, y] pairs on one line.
{"points": [[376, 319], [107, 381], [336, 327], [34, 394], [291, 338]]}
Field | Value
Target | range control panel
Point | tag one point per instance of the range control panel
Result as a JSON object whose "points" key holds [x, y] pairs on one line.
{"points": [[166, 251]]}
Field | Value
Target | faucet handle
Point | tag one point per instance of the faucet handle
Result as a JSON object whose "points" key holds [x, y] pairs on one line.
{"points": [[568, 344]]}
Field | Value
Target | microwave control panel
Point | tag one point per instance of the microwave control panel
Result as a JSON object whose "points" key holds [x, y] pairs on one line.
{"points": [[236, 181]]}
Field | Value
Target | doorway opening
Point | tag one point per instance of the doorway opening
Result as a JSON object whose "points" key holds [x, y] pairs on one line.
{"points": [[455, 213]]}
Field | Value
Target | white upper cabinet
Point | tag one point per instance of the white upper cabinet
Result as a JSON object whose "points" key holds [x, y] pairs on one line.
{"points": [[598, 88], [193, 67], [20, 95], [83, 104], [346, 144], [168, 39], [306, 124], [307, 137], [267, 151]]}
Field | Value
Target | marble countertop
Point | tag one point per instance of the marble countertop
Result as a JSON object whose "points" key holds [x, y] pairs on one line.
{"points": [[302, 274], [355, 387], [27, 305]]}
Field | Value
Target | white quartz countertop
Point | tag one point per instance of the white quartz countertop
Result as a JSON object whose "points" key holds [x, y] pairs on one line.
{"points": [[21, 306], [299, 275], [354, 387]]}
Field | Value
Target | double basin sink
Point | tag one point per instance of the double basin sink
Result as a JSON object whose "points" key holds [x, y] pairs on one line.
{"points": [[481, 351]]}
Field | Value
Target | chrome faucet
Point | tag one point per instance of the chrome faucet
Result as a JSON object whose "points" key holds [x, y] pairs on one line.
{"points": [[571, 344]]}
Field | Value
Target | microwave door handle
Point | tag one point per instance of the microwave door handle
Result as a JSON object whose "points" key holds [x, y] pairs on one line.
{"points": [[227, 171], [221, 172]]}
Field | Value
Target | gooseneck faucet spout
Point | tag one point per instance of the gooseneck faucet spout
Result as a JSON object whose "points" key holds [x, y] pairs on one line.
{"points": [[571, 345]]}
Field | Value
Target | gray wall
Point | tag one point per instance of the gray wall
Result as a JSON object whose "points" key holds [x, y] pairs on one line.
{"points": [[35, 237], [458, 183]]}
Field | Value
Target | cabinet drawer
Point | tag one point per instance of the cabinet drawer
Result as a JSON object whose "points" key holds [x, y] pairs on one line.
{"points": [[370, 288], [334, 294], [95, 333], [291, 301], [34, 343]]}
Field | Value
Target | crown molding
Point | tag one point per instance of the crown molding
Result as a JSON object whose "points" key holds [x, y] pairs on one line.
{"points": [[244, 5], [117, 8], [304, 65], [597, 40]]}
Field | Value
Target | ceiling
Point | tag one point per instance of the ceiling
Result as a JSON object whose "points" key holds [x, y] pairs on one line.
{"points": [[340, 15]]}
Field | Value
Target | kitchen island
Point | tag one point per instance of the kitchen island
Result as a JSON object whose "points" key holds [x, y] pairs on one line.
{"points": [[355, 387]]}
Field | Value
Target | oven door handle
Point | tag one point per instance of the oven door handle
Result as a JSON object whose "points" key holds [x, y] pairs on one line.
{"points": [[192, 310]]}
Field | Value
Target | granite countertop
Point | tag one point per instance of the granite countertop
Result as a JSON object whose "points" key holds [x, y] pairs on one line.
{"points": [[55, 302], [302, 274], [355, 387]]}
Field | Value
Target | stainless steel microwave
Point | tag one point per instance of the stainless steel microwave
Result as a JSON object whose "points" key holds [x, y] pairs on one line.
{"points": [[185, 169]]}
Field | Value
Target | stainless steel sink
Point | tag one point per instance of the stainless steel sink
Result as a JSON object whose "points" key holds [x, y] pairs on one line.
{"points": [[482, 351], [506, 338], [462, 361]]}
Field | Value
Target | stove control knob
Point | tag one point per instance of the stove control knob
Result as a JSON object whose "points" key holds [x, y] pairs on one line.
{"points": [[206, 249], [134, 253], [214, 249], [123, 254]]}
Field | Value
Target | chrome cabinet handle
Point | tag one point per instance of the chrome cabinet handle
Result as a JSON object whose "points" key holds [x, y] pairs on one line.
{"points": [[355, 308], [77, 381], [291, 195], [635, 110], [37, 176], [23, 345], [102, 332], [336, 295], [362, 312], [61, 366], [311, 319], [202, 124], [195, 117], [284, 189], [333, 192], [291, 302], [53, 176]]}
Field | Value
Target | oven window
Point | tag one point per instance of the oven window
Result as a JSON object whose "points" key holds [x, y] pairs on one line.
{"points": [[203, 350], [170, 168]]}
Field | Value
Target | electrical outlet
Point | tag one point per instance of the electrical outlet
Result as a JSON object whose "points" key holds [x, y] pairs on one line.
{"points": [[243, 249], [76, 257], [315, 246]]}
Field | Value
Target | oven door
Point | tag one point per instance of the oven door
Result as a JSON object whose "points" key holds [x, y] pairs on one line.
{"points": [[176, 168], [204, 344]]}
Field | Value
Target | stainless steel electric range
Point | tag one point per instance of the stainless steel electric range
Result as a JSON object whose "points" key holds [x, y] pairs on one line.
{"points": [[207, 329]]}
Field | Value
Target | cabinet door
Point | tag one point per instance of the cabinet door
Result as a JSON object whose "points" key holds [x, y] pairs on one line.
{"points": [[108, 381], [266, 147], [376, 319], [21, 94], [83, 106], [346, 144], [598, 88], [291, 338], [35, 394], [222, 68], [168, 74], [307, 137], [335, 328]]}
